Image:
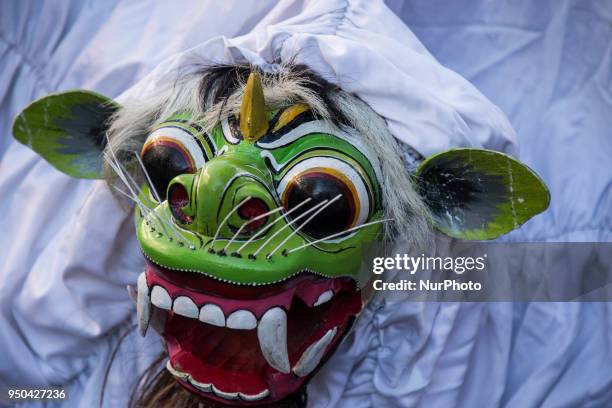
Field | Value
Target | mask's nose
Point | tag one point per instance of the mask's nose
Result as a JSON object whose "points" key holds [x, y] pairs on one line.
{"points": [[228, 197]]}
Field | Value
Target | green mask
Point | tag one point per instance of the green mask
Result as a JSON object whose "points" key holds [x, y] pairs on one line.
{"points": [[255, 232]]}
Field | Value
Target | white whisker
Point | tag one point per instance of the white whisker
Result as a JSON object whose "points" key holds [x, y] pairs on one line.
{"points": [[146, 173], [124, 175], [166, 222], [114, 163], [267, 227], [289, 224], [123, 193], [118, 171], [259, 217], [144, 209], [367, 224], [330, 202], [172, 226], [227, 216]]}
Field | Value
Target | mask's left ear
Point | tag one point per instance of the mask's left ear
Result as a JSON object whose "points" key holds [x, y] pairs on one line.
{"points": [[68, 129], [479, 194]]}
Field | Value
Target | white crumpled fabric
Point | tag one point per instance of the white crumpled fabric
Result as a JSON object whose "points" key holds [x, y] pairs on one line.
{"points": [[67, 249]]}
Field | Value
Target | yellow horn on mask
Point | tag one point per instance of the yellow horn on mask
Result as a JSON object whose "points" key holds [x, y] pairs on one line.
{"points": [[253, 120]]}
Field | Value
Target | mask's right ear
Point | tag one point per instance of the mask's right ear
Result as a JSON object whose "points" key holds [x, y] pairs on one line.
{"points": [[479, 194], [68, 129]]}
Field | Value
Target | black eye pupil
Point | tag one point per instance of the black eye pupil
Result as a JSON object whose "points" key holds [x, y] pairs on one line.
{"points": [[320, 186], [163, 163]]}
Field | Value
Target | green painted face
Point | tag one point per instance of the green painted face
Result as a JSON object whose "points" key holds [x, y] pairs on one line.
{"points": [[257, 236], [258, 212], [255, 231]]}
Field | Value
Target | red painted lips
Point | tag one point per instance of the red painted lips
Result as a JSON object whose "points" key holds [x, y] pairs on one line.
{"points": [[249, 344]]}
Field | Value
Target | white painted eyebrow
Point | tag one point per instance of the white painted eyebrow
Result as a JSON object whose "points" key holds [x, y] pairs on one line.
{"points": [[186, 138], [227, 132], [320, 126], [314, 126]]}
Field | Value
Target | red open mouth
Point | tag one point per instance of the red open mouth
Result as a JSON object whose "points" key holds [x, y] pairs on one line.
{"points": [[248, 344]]}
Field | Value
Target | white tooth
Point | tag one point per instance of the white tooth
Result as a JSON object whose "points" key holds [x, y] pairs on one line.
{"points": [[175, 372], [241, 319], [200, 386], [312, 355], [324, 297], [254, 397], [272, 335], [223, 394], [185, 307], [161, 298], [212, 314], [143, 304]]}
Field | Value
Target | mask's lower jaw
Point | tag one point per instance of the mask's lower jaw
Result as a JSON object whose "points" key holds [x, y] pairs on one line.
{"points": [[249, 345]]}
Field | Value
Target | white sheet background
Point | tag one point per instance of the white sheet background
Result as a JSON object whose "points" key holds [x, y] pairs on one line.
{"points": [[547, 64]]}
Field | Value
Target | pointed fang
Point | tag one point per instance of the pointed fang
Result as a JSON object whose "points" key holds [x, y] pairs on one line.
{"points": [[143, 304], [312, 356], [272, 335]]}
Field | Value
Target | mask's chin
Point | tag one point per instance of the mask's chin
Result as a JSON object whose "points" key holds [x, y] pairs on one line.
{"points": [[249, 345]]}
